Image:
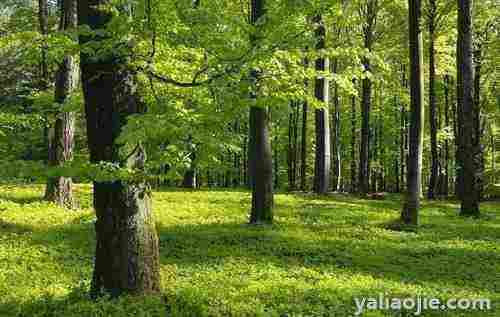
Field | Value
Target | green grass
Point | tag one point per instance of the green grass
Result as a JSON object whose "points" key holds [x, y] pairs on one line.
{"points": [[321, 253]]}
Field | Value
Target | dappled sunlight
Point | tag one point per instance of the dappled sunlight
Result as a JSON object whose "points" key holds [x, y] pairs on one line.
{"points": [[316, 257]]}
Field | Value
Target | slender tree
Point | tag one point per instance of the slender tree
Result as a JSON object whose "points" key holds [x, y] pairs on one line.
{"points": [[43, 20], [337, 173], [446, 142], [468, 147], [353, 141], [368, 11], [411, 207], [322, 161], [61, 136], [127, 249], [260, 154], [303, 144], [433, 181]]}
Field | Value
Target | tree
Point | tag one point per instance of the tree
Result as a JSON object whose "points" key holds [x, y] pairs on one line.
{"points": [[43, 19], [322, 161], [467, 147], [127, 249], [433, 181], [303, 144], [411, 206], [353, 141], [61, 135], [260, 153], [368, 11], [337, 179]]}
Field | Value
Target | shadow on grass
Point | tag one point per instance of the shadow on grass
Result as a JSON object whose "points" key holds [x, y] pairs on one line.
{"points": [[327, 234], [212, 244], [21, 200]]}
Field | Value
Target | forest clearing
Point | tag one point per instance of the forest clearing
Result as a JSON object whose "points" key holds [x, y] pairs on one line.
{"points": [[320, 253]]}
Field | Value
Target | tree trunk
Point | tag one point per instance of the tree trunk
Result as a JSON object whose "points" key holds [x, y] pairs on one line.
{"points": [[478, 129], [433, 181], [61, 138], [403, 132], [336, 134], [189, 180], [261, 160], [411, 207], [353, 141], [43, 20], [127, 249], [363, 180], [470, 186], [292, 151], [322, 156], [446, 142], [303, 149], [251, 151]]}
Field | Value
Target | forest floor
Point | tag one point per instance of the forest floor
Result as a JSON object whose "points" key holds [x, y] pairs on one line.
{"points": [[321, 254]]}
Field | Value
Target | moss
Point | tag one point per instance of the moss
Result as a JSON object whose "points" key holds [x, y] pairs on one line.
{"points": [[320, 253]]}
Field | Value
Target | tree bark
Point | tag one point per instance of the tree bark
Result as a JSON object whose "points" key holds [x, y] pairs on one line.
{"points": [[478, 128], [127, 249], [446, 142], [470, 186], [303, 148], [261, 160], [322, 161], [370, 15], [190, 179], [353, 141], [43, 20], [433, 181], [411, 207], [336, 134], [61, 136]]}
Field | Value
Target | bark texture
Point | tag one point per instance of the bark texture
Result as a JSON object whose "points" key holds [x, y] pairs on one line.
{"points": [[411, 207], [61, 135], [127, 248], [433, 181], [322, 162], [260, 152], [369, 12], [468, 146], [303, 149], [353, 142]]}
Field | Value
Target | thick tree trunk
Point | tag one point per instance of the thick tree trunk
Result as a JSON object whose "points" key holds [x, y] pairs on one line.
{"points": [[322, 161], [262, 189], [470, 185], [127, 249], [411, 207], [261, 160], [61, 136], [433, 181]]}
